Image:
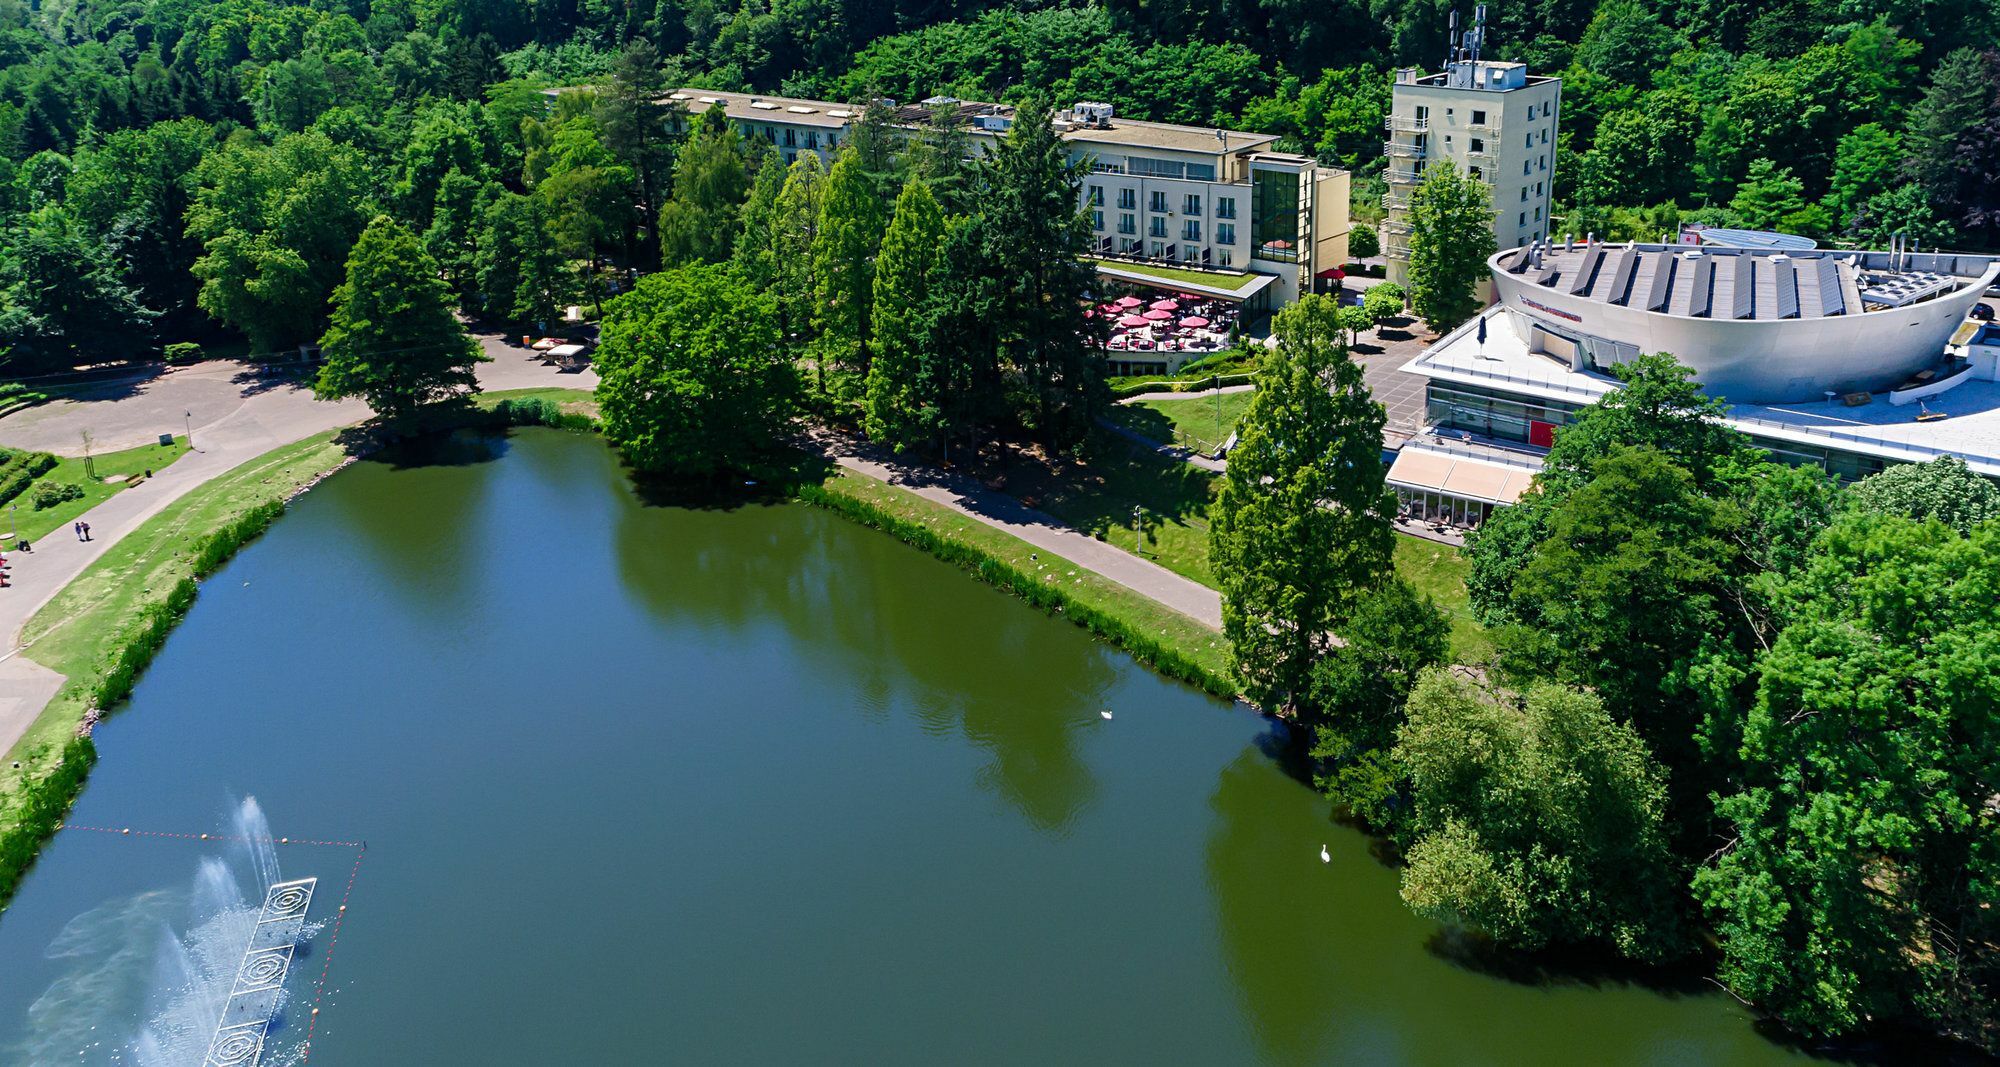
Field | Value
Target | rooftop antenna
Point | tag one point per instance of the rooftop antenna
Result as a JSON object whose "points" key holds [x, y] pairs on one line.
{"points": [[1478, 34], [1451, 40]]}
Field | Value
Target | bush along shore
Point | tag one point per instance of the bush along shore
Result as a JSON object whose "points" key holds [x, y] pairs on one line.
{"points": [[1159, 655]]}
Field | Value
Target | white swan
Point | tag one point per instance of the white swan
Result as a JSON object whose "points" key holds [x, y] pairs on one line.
{"points": [[1106, 713], [1324, 855]]}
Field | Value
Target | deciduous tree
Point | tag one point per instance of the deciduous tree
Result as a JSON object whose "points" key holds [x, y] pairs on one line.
{"points": [[393, 341], [1451, 237]]}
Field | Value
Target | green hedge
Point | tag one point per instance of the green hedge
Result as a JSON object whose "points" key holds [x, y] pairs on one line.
{"points": [[540, 412], [1125, 389], [1051, 598], [39, 807]]}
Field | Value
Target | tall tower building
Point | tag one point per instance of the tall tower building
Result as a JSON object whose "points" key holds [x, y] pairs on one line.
{"points": [[1495, 121]]}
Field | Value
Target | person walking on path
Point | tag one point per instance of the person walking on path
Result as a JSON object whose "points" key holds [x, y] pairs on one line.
{"points": [[77, 529]]}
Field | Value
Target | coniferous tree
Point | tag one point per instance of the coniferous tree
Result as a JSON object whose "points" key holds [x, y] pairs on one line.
{"points": [[902, 405], [1301, 528], [394, 341], [1451, 237], [755, 255], [1038, 240], [794, 235], [851, 222]]}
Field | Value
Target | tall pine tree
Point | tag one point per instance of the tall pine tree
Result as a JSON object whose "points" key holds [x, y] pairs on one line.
{"points": [[902, 405], [851, 221]]}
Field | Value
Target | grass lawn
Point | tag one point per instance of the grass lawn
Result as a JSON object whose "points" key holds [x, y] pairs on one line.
{"points": [[77, 632], [1228, 281], [574, 401], [1440, 571], [1190, 638], [1202, 422], [132, 463]]}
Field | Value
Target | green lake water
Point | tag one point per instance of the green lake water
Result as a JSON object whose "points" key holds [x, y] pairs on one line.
{"points": [[649, 784]]}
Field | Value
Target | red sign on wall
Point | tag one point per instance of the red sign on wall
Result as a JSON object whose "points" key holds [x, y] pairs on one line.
{"points": [[1541, 434]]}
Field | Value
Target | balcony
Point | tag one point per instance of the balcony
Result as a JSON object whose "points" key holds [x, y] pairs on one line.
{"points": [[1395, 201], [1482, 159], [1400, 227], [1402, 176], [1396, 250], [1483, 129], [1404, 124], [1402, 150]]}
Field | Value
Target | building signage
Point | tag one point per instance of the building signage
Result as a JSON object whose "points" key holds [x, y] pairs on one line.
{"points": [[1578, 319]]}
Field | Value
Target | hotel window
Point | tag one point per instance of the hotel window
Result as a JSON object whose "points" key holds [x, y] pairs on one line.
{"points": [[1097, 220], [1191, 204], [1222, 258], [1524, 218], [1190, 230], [812, 138], [1542, 163], [1423, 114], [1479, 118], [1476, 175], [1538, 188], [1157, 201], [1156, 227], [1478, 145], [1127, 199], [1538, 214], [791, 137], [1545, 137], [1097, 196], [1527, 167], [1524, 194], [1126, 225], [1225, 207], [1159, 249], [1225, 233]]}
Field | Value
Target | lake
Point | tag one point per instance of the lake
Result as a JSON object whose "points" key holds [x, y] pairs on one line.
{"points": [[648, 784]]}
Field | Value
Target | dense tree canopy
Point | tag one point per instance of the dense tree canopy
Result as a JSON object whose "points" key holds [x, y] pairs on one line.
{"points": [[393, 341]]}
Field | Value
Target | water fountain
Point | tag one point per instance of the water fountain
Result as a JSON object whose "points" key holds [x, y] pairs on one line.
{"points": [[218, 986]]}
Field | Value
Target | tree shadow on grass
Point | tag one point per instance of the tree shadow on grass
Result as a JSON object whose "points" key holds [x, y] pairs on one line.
{"points": [[1147, 422], [1097, 490]]}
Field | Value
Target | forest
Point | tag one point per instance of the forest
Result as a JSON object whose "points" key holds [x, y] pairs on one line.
{"points": [[189, 172]]}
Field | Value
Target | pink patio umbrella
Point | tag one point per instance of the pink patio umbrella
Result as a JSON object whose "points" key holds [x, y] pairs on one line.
{"points": [[1163, 305], [1134, 321], [1193, 321], [1157, 316], [1129, 301]]}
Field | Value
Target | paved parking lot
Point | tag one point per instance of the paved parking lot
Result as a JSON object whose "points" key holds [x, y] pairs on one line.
{"points": [[1382, 355]]}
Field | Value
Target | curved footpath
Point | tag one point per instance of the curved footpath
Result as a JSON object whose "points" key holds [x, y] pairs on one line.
{"points": [[246, 416]]}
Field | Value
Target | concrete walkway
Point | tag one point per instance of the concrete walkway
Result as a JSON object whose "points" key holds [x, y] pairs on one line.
{"points": [[1176, 453], [1002, 512], [1170, 395], [252, 415]]}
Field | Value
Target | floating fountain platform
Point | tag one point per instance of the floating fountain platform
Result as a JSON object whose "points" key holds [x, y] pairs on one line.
{"points": [[260, 977]]}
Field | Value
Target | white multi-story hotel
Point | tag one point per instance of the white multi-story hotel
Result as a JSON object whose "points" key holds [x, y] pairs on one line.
{"points": [[1494, 121], [1184, 208]]}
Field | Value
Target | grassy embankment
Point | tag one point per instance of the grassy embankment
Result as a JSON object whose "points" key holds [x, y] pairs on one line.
{"points": [[116, 472], [1097, 494]]}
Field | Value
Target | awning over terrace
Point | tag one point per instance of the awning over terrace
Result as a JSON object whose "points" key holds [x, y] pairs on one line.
{"points": [[1420, 469]]}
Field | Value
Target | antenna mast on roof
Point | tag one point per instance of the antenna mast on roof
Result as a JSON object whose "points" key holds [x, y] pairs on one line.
{"points": [[1478, 34], [1451, 40]]}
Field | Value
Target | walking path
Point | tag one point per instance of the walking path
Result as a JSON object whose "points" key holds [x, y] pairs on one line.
{"points": [[1177, 453], [1190, 395], [1003, 512], [248, 415]]}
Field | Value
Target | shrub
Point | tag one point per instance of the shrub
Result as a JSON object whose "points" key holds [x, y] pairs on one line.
{"points": [[38, 810], [49, 494], [184, 352], [18, 470]]}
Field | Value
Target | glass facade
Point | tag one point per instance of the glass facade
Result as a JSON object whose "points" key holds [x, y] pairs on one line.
{"points": [[1503, 418], [1274, 215]]}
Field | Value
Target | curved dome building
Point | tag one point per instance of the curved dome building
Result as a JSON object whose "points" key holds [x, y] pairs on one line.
{"points": [[1757, 325]]}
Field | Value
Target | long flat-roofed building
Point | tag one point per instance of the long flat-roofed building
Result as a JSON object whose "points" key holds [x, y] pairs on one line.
{"points": [[1183, 208], [1850, 361]]}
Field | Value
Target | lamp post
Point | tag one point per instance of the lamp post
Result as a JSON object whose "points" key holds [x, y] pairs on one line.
{"points": [[189, 416], [1138, 531]]}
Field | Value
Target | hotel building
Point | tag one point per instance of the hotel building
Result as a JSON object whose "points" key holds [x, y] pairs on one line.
{"points": [[1177, 208]]}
